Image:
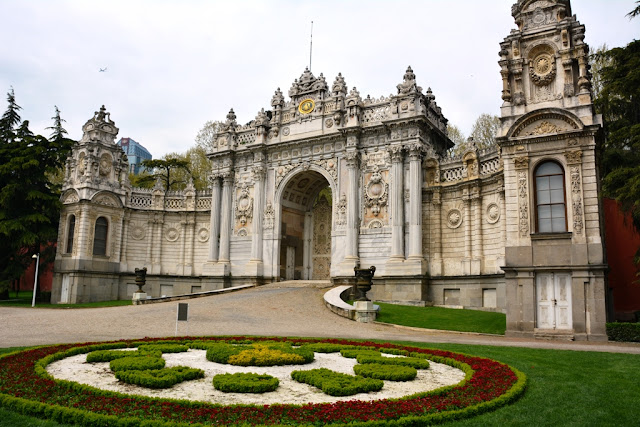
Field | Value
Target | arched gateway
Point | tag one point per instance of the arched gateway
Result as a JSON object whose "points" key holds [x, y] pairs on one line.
{"points": [[326, 180]]}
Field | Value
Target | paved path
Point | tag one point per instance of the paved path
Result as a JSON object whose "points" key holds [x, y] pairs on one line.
{"points": [[275, 309]]}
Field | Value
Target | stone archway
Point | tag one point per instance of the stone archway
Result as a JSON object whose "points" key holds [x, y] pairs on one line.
{"points": [[306, 218]]}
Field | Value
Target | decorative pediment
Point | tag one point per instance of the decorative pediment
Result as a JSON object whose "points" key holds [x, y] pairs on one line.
{"points": [[544, 122], [70, 197], [100, 128], [106, 199]]}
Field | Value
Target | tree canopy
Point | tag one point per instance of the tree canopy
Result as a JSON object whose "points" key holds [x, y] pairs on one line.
{"points": [[29, 201], [172, 171], [619, 103]]}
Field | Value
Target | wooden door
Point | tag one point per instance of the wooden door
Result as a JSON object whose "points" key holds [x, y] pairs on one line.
{"points": [[553, 295], [290, 266]]}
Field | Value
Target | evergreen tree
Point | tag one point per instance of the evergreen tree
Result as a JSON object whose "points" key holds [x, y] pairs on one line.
{"points": [[29, 202]]}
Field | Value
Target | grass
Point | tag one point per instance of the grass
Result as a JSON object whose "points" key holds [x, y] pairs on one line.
{"points": [[23, 299], [449, 319], [568, 388]]}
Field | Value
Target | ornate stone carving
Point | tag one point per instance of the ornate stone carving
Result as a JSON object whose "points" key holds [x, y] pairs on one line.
{"points": [[376, 192], [100, 128], [545, 128], [286, 131], [277, 100], [203, 234], [105, 165], [493, 213], [244, 206], [339, 87], [269, 217], [542, 69], [105, 200], [171, 232], [573, 157], [71, 198], [396, 153], [374, 224], [523, 203], [137, 231], [408, 84], [328, 123], [521, 162], [352, 158], [576, 187], [454, 218], [341, 212]]}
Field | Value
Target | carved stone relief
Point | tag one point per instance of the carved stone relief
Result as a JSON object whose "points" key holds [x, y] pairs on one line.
{"points": [[203, 233], [341, 212], [244, 206], [454, 218], [523, 203], [376, 192], [137, 231], [321, 253], [269, 217], [105, 165], [493, 213], [576, 184], [172, 232]]}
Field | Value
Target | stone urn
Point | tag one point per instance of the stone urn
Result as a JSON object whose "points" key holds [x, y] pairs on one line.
{"points": [[141, 278], [364, 281]]}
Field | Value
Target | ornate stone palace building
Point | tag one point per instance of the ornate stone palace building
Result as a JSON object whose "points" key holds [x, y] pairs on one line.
{"points": [[327, 180]]}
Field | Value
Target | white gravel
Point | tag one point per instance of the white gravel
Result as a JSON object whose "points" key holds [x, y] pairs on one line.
{"points": [[99, 375]]}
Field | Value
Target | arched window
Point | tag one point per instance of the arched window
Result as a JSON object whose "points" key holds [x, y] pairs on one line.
{"points": [[100, 236], [550, 198], [70, 230]]}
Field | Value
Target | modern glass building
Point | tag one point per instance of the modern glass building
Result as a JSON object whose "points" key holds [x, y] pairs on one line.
{"points": [[136, 153]]}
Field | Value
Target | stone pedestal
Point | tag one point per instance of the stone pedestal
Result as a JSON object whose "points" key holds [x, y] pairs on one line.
{"points": [[365, 311], [138, 296]]}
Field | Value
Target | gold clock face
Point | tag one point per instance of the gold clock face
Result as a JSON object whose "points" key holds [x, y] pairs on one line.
{"points": [[306, 106]]}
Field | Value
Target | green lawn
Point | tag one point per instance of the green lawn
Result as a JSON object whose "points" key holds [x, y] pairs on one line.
{"points": [[568, 388], [24, 298], [449, 319]]}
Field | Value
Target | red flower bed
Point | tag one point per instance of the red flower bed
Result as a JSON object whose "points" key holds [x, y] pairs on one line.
{"points": [[24, 389]]}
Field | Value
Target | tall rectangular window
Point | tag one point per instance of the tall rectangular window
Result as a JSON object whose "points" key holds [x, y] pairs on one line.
{"points": [[70, 230], [100, 236], [550, 198]]}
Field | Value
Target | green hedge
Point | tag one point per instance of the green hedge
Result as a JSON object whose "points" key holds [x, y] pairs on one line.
{"points": [[629, 332], [160, 378], [138, 363], [109, 355], [336, 383], [414, 362], [163, 348], [244, 382], [354, 353], [386, 372], [262, 354]]}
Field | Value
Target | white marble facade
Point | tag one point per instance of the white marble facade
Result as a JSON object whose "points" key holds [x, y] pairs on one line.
{"points": [[324, 180]]}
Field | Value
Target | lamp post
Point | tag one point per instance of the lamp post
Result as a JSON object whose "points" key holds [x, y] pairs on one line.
{"points": [[35, 279]]}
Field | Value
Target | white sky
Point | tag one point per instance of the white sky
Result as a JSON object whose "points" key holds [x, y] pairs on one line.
{"points": [[173, 65]]}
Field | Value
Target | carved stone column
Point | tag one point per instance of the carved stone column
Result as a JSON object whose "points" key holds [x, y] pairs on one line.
{"points": [[415, 202], [126, 218], [353, 207], [225, 222], [256, 224], [397, 204], [214, 222]]}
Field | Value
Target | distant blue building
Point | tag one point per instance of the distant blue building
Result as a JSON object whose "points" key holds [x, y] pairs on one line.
{"points": [[136, 153]]}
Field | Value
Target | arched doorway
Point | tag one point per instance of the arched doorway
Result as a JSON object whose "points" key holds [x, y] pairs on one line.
{"points": [[306, 219]]}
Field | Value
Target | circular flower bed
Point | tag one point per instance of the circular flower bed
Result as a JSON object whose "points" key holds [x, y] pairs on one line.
{"points": [[26, 387]]}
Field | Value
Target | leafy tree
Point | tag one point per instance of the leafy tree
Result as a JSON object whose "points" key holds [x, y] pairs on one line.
{"points": [[204, 138], [597, 61], [485, 129], [619, 103], [29, 202], [199, 165], [171, 171]]}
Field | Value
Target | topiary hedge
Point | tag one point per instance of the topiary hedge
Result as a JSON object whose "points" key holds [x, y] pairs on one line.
{"points": [[136, 363], [270, 354], [109, 355], [336, 383], [386, 372], [414, 362], [354, 353], [163, 348], [159, 378], [244, 382], [629, 332]]}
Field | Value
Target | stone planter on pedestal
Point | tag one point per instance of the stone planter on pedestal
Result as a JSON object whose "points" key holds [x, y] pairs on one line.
{"points": [[141, 279], [365, 310]]}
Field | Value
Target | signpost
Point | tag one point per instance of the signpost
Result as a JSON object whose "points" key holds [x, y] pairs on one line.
{"points": [[183, 315]]}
